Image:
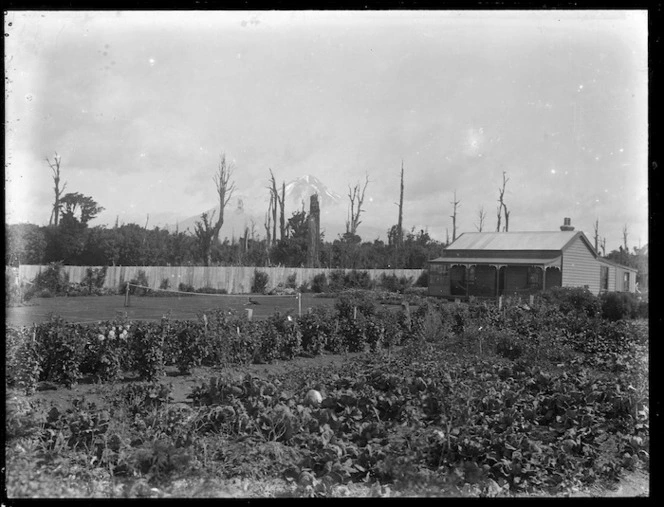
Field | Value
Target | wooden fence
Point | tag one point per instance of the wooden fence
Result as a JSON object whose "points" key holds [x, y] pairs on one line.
{"points": [[235, 279]]}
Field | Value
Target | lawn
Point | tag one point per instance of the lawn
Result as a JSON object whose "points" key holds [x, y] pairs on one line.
{"points": [[95, 308]]}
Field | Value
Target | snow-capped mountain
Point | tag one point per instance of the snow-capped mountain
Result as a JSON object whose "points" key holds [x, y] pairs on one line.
{"points": [[302, 188], [243, 209]]}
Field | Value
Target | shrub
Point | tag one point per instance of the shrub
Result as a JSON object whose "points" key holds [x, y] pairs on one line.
{"points": [[573, 299], [62, 348], [357, 280], [184, 287], [319, 283], [94, 279], [622, 305], [259, 284], [165, 284], [22, 360], [52, 281], [394, 283], [423, 279], [315, 328], [106, 350], [148, 349], [291, 281], [336, 281], [364, 301]]}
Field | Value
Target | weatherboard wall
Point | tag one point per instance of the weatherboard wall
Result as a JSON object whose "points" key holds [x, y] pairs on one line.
{"points": [[234, 279], [580, 267]]}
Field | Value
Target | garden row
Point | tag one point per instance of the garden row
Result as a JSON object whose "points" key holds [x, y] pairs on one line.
{"points": [[422, 418], [62, 352]]}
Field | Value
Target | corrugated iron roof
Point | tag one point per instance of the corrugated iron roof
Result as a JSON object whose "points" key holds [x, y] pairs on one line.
{"points": [[543, 240]]}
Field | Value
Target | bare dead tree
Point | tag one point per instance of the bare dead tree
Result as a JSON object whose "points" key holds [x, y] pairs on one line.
{"points": [[224, 191], [274, 196], [596, 234], [447, 236], [55, 167], [625, 235], [502, 207], [283, 226], [453, 216], [399, 237], [481, 214], [356, 197], [603, 245], [268, 222]]}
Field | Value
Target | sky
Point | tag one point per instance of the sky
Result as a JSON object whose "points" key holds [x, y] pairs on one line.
{"points": [[140, 106]]}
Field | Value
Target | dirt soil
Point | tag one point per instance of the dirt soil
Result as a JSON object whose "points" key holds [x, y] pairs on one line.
{"points": [[632, 483]]}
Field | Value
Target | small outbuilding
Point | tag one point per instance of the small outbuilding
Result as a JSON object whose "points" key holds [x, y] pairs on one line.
{"points": [[491, 264]]}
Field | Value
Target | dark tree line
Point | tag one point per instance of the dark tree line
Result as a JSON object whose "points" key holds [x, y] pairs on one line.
{"points": [[75, 243]]}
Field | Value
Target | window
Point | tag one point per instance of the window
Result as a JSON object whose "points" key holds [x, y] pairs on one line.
{"points": [[604, 278], [626, 282]]}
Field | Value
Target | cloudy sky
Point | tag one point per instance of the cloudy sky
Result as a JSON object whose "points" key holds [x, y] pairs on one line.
{"points": [[140, 106]]}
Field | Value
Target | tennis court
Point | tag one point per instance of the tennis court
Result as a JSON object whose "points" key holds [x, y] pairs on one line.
{"points": [[96, 308]]}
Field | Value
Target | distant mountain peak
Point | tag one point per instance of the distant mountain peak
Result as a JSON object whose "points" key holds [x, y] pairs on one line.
{"points": [[302, 188]]}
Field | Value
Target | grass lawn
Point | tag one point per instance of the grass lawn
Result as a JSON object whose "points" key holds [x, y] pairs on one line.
{"points": [[95, 308]]}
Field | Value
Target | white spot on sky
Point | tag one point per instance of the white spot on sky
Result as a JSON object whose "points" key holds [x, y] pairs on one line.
{"points": [[597, 157], [142, 155], [239, 56], [152, 61], [621, 150], [553, 171], [580, 87]]}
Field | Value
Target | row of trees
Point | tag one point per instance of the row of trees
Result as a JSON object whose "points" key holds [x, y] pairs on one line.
{"points": [[68, 237], [134, 245]]}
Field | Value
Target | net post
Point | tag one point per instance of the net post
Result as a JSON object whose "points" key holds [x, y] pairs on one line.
{"points": [[299, 304], [126, 301]]}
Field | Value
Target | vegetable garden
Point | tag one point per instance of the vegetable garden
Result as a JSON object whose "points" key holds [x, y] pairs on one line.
{"points": [[447, 399]]}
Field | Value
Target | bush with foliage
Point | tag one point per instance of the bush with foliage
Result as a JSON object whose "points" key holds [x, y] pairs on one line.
{"points": [[94, 279], [291, 281], [351, 300], [622, 305], [573, 300], [147, 347], [423, 279], [23, 359], [51, 282], [319, 283], [259, 283], [394, 283], [62, 347]]}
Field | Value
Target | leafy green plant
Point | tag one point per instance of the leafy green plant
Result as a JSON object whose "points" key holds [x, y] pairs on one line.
{"points": [[291, 281], [394, 283], [259, 283], [621, 305], [148, 349], [62, 347], [319, 283], [23, 361]]}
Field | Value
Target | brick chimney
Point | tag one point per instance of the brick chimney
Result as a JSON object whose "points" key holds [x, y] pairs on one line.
{"points": [[567, 225]]}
